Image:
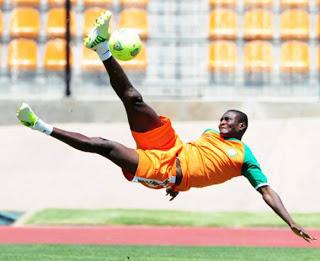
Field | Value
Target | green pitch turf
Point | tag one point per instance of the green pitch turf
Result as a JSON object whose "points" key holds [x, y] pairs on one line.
{"points": [[140, 253], [166, 218]]}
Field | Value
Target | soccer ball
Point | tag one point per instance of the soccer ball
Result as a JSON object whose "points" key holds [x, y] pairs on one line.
{"points": [[124, 44]]}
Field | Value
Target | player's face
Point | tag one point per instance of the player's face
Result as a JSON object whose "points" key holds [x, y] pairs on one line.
{"points": [[229, 125]]}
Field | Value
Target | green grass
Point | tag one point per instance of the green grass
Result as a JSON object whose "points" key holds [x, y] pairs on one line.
{"points": [[166, 218], [143, 253]]}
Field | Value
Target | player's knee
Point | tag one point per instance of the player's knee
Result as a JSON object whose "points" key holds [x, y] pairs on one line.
{"points": [[132, 98], [99, 145]]}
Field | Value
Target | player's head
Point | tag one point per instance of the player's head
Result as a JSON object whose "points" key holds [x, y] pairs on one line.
{"points": [[233, 124]]}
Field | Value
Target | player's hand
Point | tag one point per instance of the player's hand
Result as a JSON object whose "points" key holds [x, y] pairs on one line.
{"points": [[172, 193], [302, 233]]}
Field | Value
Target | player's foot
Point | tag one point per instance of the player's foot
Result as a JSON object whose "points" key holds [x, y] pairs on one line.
{"points": [[26, 116], [100, 32]]}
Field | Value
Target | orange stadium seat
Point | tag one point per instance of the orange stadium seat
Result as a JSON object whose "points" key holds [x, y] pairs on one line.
{"points": [[222, 3], [222, 56], [138, 64], [90, 61], [24, 22], [223, 24], [134, 3], [89, 17], [258, 56], [22, 55], [318, 3], [258, 24], [294, 24], [295, 57], [1, 23], [55, 55], [318, 26], [33, 3], [55, 26], [293, 3], [136, 19], [61, 3], [98, 3], [258, 3]]}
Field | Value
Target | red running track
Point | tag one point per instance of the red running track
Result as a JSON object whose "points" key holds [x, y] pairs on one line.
{"points": [[140, 235]]}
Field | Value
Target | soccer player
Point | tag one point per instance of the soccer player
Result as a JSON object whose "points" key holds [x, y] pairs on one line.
{"points": [[161, 159]]}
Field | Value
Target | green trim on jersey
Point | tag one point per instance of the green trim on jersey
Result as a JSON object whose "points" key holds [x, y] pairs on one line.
{"points": [[206, 130], [251, 169]]}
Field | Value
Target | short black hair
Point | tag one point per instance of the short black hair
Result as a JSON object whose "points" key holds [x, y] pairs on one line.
{"points": [[242, 117]]}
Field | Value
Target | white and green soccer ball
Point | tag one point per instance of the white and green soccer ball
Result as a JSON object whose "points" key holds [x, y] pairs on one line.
{"points": [[125, 44]]}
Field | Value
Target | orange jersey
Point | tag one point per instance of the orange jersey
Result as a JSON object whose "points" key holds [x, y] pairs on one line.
{"points": [[209, 160]]}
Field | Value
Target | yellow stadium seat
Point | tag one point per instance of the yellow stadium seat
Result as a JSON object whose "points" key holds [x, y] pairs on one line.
{"points": [[22, 55], [24, 22], [1, 23], [138, 64], [137, 19], [55, 3], [258, 56], [223, 24], [222, 56], [293, 3], [56, 26], [318, 26], [294, 24], [89, 17], [55, 55], [98, 3], [258, 24], [222, 3], [134, 3], [295, 57], [90, 61], [258, 3], [33, 3]]}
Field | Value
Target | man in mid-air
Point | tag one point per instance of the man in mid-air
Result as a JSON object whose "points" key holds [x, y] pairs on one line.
{"points": [[161, 159]]}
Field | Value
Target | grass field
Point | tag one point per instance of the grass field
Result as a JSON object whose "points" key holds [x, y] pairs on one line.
{"points": [[140, 253], [166, 218]]}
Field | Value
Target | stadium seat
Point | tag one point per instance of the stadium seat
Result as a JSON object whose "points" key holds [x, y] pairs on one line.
{"points": [[294, 24], [60, 3], [24, 22], [293, 3], [90, 61], [258, 24], [97, 3], [222, 3], [31, 3], [22, 55], [138, 64], [133, 3], [55, 55], [295, 57], [222, 56], [258, 3], [318, 26], [55, 26], [223, 24], [1, 23], [89, 17], [258, 56], [137, 19]]}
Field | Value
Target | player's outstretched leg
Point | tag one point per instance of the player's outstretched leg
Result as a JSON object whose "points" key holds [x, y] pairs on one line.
{"points": [[141, 117], [122, 156]]}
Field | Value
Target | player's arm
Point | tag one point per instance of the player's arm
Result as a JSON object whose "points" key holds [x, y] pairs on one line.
{"points": [[274, 201]]}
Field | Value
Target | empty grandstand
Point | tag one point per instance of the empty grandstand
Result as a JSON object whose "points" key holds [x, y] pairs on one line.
{"points": [[191, 48]]}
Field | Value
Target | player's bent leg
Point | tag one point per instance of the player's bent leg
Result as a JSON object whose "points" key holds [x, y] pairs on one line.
{"points": [[141, 117], [124, 157]]}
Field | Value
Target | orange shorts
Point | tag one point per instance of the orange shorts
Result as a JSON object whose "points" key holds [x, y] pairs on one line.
{"points": [[157, 150]]}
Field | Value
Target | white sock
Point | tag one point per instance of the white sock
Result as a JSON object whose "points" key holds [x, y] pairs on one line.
{"points": [[43, 127], [103, 51]]}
